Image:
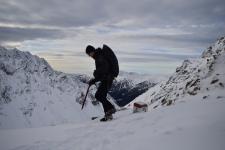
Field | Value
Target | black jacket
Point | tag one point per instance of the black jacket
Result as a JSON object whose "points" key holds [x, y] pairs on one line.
{"points": [[102, 66]]}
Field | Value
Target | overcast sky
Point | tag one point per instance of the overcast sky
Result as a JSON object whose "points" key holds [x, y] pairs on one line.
{"points": [[148, 36]]}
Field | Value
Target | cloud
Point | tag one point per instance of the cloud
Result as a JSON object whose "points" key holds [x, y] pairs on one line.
{"points": [[74, 13], [68, 13], [17, 34], [145, 59], [122, 14], [161, 30], [70, 62], [169, 12]]}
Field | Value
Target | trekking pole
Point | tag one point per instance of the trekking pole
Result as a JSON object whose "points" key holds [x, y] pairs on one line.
{"points": [[85, 97]]}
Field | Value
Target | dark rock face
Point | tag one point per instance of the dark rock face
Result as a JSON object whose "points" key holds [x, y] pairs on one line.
{"points": [[123, 92]]}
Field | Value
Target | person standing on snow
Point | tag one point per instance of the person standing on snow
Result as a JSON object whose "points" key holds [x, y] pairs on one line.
{"points": [[107, 69]]}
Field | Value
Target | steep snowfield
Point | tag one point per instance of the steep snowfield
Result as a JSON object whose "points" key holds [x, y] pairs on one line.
{"points": [[204, 75], [191, 124], [32, 94]]}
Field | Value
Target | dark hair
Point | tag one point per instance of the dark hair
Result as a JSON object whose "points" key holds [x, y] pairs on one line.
{"points": [[89, 49]]}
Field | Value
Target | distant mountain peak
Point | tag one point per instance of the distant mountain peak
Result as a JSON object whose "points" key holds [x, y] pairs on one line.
{"points": [[33, 94]]}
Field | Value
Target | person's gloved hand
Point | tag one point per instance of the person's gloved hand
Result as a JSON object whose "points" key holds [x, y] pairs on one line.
{"points": [[91, 82]]}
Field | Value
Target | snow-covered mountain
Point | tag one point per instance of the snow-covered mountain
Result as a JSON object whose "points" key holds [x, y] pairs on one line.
{"points": [[32, 94], [196, 122], [205, 75]]}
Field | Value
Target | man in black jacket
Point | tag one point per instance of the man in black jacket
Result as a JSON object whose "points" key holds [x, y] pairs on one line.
{"points": [[104, 75]]}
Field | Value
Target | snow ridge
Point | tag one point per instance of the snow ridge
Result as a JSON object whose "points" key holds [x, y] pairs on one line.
{"points": [[194, 76], [32, 94]]}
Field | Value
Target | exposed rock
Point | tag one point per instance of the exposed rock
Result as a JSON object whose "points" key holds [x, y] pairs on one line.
{"points": [[221, 84], [169, 102], [214, 81], [193, 77]]}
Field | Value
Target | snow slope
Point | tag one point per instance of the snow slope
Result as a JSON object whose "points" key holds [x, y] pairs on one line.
{"points": [[203, 75], [32, 94], [191, 124]]}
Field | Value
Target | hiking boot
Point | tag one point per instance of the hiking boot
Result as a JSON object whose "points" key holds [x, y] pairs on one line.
{"points": [[111, 111], [107, 118]]}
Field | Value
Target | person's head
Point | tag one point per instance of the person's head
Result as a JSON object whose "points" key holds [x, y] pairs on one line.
{"points": [[90, 51]]}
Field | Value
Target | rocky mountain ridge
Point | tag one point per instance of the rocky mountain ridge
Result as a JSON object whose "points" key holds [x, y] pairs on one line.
{"points": [[202, 75], [33, 94]]}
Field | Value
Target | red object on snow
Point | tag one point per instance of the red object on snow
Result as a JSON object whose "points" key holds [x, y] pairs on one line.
{"points": [[140, 106]]}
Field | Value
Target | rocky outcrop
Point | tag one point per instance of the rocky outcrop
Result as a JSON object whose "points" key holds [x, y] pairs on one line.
{"points": [[194, 76]]}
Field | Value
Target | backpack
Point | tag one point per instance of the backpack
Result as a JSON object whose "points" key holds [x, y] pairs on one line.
{"points": [[112, 59]]}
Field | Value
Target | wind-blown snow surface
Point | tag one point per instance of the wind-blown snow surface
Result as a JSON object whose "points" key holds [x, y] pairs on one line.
{"points": [[32, 94], [191, 124]]}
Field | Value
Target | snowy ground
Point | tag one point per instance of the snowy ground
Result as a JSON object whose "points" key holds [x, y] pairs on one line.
{"points": [[190, 124]]}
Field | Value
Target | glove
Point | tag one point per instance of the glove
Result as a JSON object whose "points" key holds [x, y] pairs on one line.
{"points": [[91, 82]]}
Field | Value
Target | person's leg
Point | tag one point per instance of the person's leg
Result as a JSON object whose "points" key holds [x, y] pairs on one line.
{"points": [[101, 95]]}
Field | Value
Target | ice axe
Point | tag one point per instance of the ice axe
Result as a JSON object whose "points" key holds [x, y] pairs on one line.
{"points": [[85, 97]]}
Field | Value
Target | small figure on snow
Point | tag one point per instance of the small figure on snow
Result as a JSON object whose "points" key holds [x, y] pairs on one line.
{"points": [[107, 69]]}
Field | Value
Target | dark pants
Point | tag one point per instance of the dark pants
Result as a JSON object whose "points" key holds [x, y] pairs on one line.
{"points": [[101, 94]]}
